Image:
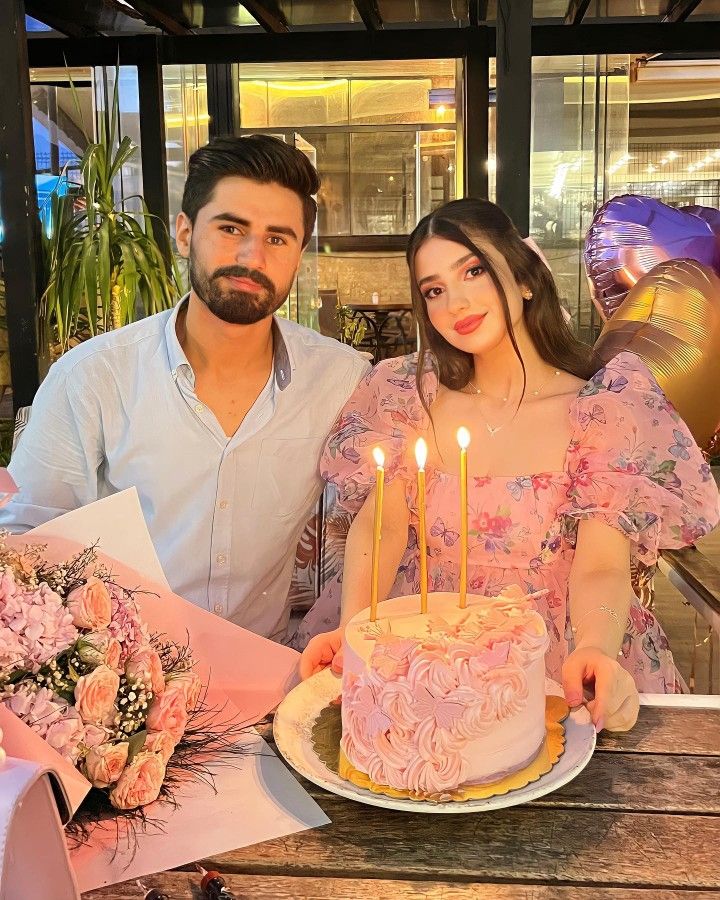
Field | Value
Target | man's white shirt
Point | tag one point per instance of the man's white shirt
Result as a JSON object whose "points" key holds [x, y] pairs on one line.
{"points": [[225, 514]]}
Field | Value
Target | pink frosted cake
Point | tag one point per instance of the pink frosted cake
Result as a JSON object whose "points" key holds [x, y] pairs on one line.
{"points": [[453, 698]]}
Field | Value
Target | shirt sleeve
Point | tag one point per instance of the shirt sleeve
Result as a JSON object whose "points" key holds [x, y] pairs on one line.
{"points": [[56, 461]]}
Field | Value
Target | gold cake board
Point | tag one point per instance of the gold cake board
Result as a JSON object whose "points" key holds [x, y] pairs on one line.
{"points": [[326, 740]]}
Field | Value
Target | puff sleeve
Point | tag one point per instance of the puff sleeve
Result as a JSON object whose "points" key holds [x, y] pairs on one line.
{"points": [[633, 463]]}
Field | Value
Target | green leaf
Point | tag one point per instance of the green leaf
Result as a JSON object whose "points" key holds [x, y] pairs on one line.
{"points": [[136, 742], [104, 264], [89, 266]]}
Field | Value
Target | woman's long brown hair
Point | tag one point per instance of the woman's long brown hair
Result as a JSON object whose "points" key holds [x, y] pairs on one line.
{"points": [[459, 221]]}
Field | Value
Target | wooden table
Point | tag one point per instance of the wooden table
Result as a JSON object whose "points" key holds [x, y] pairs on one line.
{"points": [[642, 822]]}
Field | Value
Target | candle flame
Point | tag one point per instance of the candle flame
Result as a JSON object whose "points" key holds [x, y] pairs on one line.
{"points": [[379, 457], [421, 453], [463, 438]]}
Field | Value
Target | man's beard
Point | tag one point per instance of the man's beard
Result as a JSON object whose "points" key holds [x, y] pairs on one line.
{"points": [[235, 306]]}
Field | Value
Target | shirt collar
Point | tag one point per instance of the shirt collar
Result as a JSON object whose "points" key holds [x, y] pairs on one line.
{"points": [[282, 360]]}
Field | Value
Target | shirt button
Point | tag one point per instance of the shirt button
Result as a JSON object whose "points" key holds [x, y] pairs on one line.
{"points": [[174, 373], [218, 607], [223, 504], [199, 407], [220, 558]]}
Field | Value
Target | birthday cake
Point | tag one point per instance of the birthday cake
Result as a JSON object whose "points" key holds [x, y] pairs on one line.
{"points": [[436, 702]]}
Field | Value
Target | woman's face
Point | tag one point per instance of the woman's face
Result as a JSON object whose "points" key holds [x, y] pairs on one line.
{"points": [[462, 302]]}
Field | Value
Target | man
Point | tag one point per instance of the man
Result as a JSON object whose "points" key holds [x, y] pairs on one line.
{"points": [[216, 411]]}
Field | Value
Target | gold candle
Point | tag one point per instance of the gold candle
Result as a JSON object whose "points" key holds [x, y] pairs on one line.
{"points": [[421, 459], [463, 439], [379, 457]]}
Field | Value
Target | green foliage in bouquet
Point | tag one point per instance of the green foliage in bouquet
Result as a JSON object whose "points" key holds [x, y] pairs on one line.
{"points": [[104, 265]]}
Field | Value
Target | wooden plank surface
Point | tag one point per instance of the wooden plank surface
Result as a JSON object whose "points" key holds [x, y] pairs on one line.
{"points": [[183, 886], [630, 782], [523, 844], [662, 730], [643, 782], [642, 821]]}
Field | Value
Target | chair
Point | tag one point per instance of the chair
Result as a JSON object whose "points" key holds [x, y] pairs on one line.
{"points": [[327, 314]]}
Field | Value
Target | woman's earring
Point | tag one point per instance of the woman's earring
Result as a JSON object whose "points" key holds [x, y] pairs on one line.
{"points": [[527, 295]]}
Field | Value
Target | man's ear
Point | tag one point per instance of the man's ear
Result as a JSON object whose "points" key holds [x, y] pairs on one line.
{"points": [[183, 233]]}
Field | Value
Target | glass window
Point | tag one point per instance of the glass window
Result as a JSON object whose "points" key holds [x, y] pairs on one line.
{"points": [[186, 126], [296, 103], [333, 164], [579, 149], [254, 104], [382, 170], [62, 126], [437, 169], [402, 100]]}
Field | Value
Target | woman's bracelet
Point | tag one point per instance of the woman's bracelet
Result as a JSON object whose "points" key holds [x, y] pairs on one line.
{"points": [[604, 609]]}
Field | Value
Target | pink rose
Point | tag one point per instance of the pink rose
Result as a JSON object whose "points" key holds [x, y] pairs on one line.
{"points": [[90, 605], [99, 648], [105, 764], [189, 685], [144, 666], [140, 782], [94, 736], [161, 742], [95, 694], [167, 713]]}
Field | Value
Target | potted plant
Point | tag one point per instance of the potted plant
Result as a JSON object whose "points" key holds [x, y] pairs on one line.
{"points": [[104, 265], [352, 327]]}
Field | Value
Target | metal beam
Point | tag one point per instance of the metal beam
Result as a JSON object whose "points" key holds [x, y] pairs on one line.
{"points": [[303, 46], [626, 37], [152, 147], [21, 247], [268, 14], [152, 14], [576, 11], [514, 99], [306, 46], [49, 14], [223, 98], [679, 10], [473, 91], [370, 14], [478, 12]]}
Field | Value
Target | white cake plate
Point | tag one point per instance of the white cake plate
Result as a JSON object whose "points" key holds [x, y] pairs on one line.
{"points": [[297, 713]]}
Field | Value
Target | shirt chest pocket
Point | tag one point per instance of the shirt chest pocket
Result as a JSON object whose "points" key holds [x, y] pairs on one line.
{"points": [[287, 477]]}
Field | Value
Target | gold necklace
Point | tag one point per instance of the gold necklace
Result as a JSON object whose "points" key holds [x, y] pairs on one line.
{"points": [[493, 429]]}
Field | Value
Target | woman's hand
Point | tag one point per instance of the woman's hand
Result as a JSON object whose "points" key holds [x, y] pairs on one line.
{"points": [[322, 651], [616, 703]]}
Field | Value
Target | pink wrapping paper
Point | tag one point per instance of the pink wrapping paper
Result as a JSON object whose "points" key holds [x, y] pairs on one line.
{"points": [[249, 671]]}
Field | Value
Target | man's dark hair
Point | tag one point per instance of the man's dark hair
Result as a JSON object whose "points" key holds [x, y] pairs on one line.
{"points": [[258, 157]]}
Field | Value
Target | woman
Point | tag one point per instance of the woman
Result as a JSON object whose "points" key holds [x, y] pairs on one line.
{"points": [[573, 473]]}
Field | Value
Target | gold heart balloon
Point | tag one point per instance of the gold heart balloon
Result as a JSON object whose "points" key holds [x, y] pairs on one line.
{"points": [[671, 320]]}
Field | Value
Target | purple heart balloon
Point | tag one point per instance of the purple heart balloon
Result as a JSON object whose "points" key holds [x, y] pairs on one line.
{"points": [[709, 214], [631, 235]]}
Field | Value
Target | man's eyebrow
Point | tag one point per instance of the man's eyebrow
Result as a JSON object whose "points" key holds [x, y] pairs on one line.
{"points": [[237, 220]]}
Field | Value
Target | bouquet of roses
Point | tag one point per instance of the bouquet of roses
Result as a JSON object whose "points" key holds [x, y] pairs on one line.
{"points": [[80, 668]]}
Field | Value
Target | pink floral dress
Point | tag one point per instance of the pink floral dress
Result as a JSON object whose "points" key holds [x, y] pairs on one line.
{"points": [[631, 462]]}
